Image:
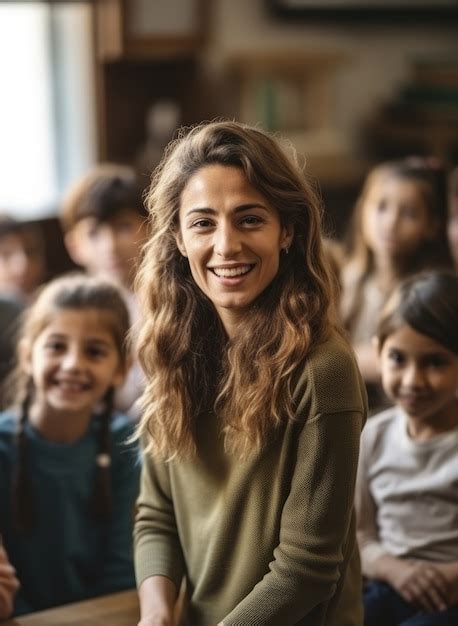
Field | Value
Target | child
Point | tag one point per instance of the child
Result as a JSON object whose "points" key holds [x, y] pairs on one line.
{"points": [[103, 221], [407, 486], [68, 482], [22, 259], [452, 223], [398, 229]]}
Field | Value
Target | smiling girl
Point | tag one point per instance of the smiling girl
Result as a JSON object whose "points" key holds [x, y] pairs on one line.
{"points": [[407, 489], [67, 481], [253, 405]]}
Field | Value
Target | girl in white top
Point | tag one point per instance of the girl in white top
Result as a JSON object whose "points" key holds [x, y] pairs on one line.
{"points": [[407, 487]]}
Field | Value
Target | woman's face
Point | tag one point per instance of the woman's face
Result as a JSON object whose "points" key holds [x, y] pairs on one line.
{"points": [[232, 238], [396, 219]]}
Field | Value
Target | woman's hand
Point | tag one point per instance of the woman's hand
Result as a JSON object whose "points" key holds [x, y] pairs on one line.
{"points": [[420, 583], [157, 596], [9, 584], [157, 620]]}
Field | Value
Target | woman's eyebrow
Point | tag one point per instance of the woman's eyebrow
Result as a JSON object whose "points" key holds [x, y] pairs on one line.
{"points": [[238, 209]]}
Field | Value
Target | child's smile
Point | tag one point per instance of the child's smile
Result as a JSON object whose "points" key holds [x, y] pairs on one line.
{"points": [[73, 362]]}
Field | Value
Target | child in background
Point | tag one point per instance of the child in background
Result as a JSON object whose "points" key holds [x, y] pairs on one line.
{"points": [[452, 223], [399, 228], [103, 218], [68, 482], [407, 486], [22, 259]]}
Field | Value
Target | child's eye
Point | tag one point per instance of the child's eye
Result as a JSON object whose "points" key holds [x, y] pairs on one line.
{"points": [[381, 206], [435, 360], [96, 352], [54, 346], [409, 212], [396, 357]]}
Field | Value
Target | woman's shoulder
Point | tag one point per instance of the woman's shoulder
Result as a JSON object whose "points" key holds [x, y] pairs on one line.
{"points": [[331, 378]]}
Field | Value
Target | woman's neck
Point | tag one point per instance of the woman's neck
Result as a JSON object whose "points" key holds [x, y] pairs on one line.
{"points": [[57, 428]]}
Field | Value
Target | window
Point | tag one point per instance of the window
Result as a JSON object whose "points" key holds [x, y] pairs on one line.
{"points": [[47, 107]]}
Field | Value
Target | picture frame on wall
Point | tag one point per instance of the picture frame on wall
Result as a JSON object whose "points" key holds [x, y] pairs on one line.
{"points": [[414, 10]]}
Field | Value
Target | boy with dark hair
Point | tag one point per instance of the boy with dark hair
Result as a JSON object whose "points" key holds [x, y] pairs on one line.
{"points": [[104, 222]]}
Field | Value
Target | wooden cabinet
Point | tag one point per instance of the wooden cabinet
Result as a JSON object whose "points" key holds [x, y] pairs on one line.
{"points": [[146, 28]]}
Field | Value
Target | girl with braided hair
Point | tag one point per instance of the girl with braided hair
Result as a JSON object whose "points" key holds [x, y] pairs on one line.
{"points": [[68, 482]]}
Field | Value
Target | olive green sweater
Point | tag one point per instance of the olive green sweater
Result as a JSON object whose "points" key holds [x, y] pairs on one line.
{"points": [[269, 541]]}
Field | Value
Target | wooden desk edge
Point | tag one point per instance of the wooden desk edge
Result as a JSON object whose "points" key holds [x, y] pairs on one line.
{"points": [[123, 604]]}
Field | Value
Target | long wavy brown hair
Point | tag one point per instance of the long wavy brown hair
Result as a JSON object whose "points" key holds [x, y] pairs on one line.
{"points": [[191, 366]]}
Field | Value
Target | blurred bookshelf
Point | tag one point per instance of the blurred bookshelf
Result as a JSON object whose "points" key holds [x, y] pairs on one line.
{"points": [[422, 118]]}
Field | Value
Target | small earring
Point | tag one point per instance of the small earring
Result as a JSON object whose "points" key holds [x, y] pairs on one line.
{"points": [[286, 249]]}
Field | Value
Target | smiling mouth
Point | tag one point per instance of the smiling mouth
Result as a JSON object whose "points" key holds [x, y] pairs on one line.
{"points": [[71, 386], [231, 272]]}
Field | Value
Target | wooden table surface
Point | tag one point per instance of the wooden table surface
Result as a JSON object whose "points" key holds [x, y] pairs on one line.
{"points": [[118, 609]]}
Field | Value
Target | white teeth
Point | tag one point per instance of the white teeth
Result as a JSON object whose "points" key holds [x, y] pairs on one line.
{"points": [[70, 386], [230, 272]]}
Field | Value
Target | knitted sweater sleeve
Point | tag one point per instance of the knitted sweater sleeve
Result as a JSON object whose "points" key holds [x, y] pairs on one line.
{"points": [[316, 516], [157, 549]]}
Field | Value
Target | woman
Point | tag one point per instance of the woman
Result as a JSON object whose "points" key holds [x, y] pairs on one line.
{"points": [[254, 404]]}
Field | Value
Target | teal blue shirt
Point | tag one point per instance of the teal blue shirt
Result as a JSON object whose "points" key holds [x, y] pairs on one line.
{"points": [[68, 556]]}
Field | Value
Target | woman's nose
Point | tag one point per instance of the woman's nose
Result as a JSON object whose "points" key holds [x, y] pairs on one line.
{"points": [[227, 241]]}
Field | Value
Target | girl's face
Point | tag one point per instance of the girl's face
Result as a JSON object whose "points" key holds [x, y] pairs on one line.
{"points": [[73, 362], [232, 238], [421, 376], [396, 218]]}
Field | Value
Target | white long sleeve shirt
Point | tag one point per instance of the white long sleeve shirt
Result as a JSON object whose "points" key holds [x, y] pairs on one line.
{"points": [[406, 493]]}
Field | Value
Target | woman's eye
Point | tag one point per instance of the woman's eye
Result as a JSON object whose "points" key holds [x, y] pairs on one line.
{"points": [[252, 220], [202, 223], [381, 206]]}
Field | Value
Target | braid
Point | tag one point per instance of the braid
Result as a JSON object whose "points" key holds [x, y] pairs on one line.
{"points": [[22, 505], [102, 499]]}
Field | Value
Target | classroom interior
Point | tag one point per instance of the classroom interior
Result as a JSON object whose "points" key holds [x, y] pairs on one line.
{"points": [[348, 84]]}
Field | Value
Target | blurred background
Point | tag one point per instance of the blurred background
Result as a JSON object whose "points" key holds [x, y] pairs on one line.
{"points": [[348, 83]]}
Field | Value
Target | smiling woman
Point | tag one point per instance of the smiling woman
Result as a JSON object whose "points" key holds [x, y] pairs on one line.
{"points": [[232, 239], [249, 387]]}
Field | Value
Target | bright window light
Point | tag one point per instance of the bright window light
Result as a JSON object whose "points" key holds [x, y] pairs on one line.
{"points": [[28, 175], [47, 105]]}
